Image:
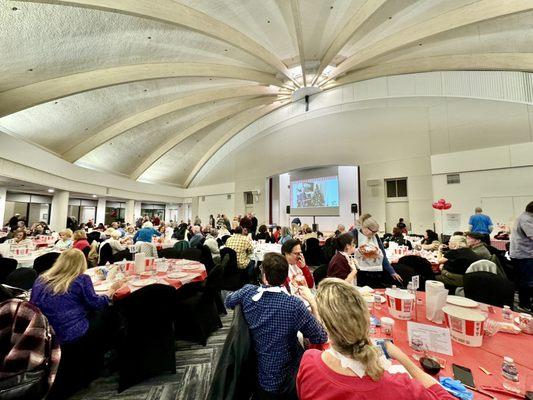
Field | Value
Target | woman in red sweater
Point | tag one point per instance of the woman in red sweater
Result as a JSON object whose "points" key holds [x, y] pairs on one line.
{"points": [[299, 273], [342, 265], [351, 369]]}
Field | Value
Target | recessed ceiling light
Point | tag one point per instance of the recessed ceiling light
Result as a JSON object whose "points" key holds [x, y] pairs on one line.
{"points": [[94, 195], [50, 190]]}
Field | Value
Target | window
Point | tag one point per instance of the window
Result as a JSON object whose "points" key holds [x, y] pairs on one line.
{"points": [[249, 198], [453, 178], [396, 187]]}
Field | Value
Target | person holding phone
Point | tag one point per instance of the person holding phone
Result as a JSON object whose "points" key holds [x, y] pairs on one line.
{"points": [[352, 367], [299, 273]]}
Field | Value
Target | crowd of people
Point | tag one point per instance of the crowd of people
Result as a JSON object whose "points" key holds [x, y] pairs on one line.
{"points": [[282, 297]]}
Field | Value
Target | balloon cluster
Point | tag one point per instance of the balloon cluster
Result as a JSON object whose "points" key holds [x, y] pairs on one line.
{"points": [[442, 205]]}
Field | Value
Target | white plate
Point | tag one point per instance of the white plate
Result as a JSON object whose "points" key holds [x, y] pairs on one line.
{"points": [[461, 301], [103, 287], [178, 275], [182, 262], [370, 299], [143, 282], [190, 267]]}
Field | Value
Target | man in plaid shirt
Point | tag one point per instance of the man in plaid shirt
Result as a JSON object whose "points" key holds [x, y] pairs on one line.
{"points": [[274, 318], [242, 246]]}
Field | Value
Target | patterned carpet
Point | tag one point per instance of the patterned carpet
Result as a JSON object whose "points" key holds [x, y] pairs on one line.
{"points": [[194, 365]]}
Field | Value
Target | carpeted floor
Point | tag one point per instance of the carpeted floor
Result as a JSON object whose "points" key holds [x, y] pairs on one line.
{"points": [[194, 364]]}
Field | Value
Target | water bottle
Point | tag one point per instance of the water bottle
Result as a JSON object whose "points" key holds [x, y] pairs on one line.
{"points": [[510, 375]]}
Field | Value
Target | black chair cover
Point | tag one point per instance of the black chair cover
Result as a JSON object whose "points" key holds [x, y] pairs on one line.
{"points": [[207, 258], [328, 250], [7, 266], [421, 267], [168, 253], [94, 235], [235, 374], [22, 278], [147, 347], [489, 288], [320, 273], [123, 255], [192, 254], [224, 239], [44, 263], [106, 255], [313, 254]]}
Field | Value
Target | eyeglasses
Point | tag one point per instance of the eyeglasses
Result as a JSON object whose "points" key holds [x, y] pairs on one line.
{"points": [[376, 231], [298, 253]]}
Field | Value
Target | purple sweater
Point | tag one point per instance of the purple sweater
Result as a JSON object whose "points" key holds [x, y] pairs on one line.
{"points": [[67, 313]]}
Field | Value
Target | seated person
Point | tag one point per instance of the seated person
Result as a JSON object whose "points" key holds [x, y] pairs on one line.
{"points": [[65, 240], [308, 233], [430, 241], [19, 238], [274, 318], [146, 233], [211, 242], [455, 262], [342, 265], [475, 242], [351, 368], [263, 234], [340, 230], [115, 242], [284, 235], [299, 273], [242, 246], [80, 240], [197, 238], [66, 296], [397, 237]]}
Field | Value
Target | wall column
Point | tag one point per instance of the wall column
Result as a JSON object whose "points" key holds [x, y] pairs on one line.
{"points": [[100, 211], [3, 194], [59, 212], [129, 217]]}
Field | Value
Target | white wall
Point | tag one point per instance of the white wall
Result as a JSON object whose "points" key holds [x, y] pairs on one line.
{"points": [[218, 204], [502, 188], [348, 194]]}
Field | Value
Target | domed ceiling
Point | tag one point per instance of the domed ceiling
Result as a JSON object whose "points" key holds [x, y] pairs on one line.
{"points": [[150, 89]]}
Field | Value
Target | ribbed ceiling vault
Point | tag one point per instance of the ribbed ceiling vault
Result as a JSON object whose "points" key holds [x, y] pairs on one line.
{"points": [[134, 87]]}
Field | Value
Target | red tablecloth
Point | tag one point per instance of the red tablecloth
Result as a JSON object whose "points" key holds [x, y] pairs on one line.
{"points": [[489, 356], [198, 274]]}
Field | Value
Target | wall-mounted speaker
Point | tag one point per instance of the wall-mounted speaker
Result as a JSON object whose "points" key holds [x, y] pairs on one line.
{"points": [[354, 208], [288, 209]]}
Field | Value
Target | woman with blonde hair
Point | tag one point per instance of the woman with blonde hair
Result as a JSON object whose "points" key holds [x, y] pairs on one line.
{"points": [[19, 237], [80, 240], [65, 239], [66, 296], [374, 267], [352, 368]]}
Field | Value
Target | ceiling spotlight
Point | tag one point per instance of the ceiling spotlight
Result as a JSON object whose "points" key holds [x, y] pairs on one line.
{"points": [[50, 190], [94, 196]]}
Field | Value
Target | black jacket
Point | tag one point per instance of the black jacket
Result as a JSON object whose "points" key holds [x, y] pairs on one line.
{"points": [[235, 375]]}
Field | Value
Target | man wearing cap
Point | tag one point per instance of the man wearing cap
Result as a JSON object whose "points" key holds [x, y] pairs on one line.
{"points": [[475, 242]]}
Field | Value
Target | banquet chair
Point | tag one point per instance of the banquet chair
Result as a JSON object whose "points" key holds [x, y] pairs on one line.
{"points": [[94, 235], [421, 266], [181, 245], [489, 288], [147, 347], [22, 278], [106, 254], [236, 371], [195, 314], [192, 254], [44, 263], [233, 278], [328, 250], [168, 253], [206, 258], [123, 255], [320, 273], [7, 266], [406, 272], [312, 253], [224, 239]]}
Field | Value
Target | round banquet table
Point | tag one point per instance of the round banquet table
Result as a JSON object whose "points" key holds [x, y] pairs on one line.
{"points": [[489, 356], [198, 274], [261, 249]]}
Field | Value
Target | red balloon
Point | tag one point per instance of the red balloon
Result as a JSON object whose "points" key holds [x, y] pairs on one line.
{"points": [[442, 201], [436, 206], [447, 206]]}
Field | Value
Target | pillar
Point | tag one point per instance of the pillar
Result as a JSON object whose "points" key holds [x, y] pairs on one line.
{"points": [[59, 211], [130, 212], [3, 194], [100, 211]]}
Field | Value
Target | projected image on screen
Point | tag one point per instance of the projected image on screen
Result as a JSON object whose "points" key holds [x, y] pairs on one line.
{"points": [[315, 193]]}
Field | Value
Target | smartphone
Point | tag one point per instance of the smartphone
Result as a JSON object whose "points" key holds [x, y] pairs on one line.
{"points": [[463, 374]]}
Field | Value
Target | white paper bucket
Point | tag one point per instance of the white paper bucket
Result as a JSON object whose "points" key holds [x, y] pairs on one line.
{"points": [[466, 325], [401, 303]]}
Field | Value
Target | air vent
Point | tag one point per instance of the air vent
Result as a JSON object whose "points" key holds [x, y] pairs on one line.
{"points": [[453, 178], [228, 197]]}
